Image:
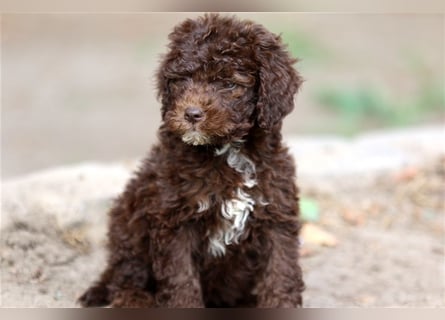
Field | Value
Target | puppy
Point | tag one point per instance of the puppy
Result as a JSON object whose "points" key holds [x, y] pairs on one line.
{"points": [[210, 219]]}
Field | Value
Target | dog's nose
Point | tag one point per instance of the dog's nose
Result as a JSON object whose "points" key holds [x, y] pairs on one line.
{"points": [[193, 114]]}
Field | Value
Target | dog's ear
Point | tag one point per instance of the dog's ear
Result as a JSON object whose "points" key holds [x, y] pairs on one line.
{"points": [[278, 80], [162, 86], [173, 62]]}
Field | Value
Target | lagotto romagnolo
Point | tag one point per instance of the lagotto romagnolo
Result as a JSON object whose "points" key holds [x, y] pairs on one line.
{"points": [[210, 219]]}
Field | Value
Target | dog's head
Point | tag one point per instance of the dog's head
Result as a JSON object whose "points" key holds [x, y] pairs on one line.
{"points": [[223, 76]]}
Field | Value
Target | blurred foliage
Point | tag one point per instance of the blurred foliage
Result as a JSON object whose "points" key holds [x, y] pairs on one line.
{"points": [[366, 105], [309, 210]]}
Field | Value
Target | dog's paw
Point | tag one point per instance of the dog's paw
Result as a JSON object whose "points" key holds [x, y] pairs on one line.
{"points": [[133, 298], [95, 296]]}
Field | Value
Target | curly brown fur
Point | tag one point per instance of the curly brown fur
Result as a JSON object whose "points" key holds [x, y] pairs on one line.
{"points": [[211, 217]]}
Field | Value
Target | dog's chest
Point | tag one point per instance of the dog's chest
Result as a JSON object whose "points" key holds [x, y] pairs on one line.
{"points": [[234, 205]]}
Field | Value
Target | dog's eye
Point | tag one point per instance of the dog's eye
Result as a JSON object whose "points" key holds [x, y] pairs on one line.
{"points": [[229, 85]]}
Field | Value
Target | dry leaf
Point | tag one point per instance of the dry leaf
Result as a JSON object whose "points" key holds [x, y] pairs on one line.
{"points": [[406, 174], [316, 235], [352, 217], [307, 252]]}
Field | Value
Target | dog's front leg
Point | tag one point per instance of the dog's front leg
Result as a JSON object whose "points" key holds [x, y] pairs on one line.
{"points": [[281, 284], [178, 284]]}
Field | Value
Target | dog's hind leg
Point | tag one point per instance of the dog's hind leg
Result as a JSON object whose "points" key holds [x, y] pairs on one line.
{"points": [[128, 265], [124, 284], [98, 294]]}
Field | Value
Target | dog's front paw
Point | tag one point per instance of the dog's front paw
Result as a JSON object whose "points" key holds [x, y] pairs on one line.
{"points": [[133, 298], [95, 296]]}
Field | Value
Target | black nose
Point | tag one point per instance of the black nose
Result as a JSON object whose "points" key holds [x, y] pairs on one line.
{"points": [[193, 114]]}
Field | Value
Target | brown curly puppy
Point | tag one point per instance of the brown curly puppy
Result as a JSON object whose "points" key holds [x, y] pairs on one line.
{"points": [[211, 217]]}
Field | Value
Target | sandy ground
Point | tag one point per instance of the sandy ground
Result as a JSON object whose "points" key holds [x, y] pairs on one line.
{"points": [[379, 240]]}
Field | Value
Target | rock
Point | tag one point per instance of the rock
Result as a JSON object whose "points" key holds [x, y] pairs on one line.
{"points": [[371, 153], [65, 197]]}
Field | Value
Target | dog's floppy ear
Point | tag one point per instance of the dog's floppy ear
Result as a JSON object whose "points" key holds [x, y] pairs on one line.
{"points": [[162, 86], [278, 80]]}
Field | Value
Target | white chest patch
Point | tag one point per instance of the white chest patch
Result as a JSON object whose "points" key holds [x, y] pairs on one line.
{"points": [[234, 211]]}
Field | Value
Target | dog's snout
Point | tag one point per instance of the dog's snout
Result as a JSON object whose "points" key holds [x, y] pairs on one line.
{"points": [[193, 114]]}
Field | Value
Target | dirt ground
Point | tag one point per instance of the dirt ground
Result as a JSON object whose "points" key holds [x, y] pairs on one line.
{"points": [[390, 249], [378, 241]]}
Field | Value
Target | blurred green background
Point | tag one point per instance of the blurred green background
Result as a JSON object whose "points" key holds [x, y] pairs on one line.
{"points": [[80, 87]]}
